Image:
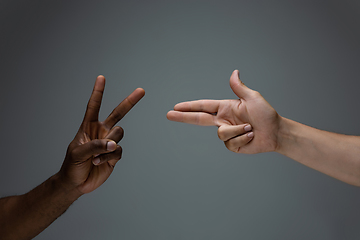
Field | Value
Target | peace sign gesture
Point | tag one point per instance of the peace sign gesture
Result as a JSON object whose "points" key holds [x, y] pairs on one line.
{"points": [[93, 153]]}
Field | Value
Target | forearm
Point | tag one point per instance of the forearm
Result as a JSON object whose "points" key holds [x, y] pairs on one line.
{"points": [[334, 154], [25, 216]]}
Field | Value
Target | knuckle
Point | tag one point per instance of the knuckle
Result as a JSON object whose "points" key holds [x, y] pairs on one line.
{"points": [[75, 153], [105, 157], [221, 133], [117, 114], [93, 104], [202, 107], [242, 141], [238, 150], [97, 144], [256, 94], [229, 145], [119, 131], [232, 149], [233, 146], [116, 155]]}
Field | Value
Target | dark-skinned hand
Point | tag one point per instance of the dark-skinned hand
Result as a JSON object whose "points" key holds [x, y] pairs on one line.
{"points": [[92, 155]]}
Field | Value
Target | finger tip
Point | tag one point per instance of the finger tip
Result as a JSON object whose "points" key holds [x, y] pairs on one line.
{"points": [[250, 134], [235, 80], [235, 74], [136, 95], [178, 106], [247, 127], [100, 78], [169, 115], [111, 145], [96, 161], [100, 81], [140, 90], [139, 93]]}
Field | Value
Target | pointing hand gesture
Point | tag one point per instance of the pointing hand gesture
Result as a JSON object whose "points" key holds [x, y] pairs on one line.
{"points": [[246, 125]]}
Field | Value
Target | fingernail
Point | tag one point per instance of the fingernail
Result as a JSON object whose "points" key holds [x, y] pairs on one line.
{"points": [[250, 134], [110, 146], [248, 128], [96, 161]]}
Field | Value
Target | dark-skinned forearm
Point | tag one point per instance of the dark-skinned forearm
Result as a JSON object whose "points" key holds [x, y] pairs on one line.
{"points": [[25, 216]]}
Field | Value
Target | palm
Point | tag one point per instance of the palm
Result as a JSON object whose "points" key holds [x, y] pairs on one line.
{"points": [[259, 114]]}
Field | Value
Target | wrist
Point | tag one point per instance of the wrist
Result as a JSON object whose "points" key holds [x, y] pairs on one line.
{"points": [[284, 135], [71, 191]]}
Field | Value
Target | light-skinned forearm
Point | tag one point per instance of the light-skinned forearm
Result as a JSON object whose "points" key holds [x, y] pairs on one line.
{"points": [[336, 155], [25, 216]]}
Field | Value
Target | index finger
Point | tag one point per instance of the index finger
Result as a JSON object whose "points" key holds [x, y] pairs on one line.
{"points": [[124, 107], [93, 107]]}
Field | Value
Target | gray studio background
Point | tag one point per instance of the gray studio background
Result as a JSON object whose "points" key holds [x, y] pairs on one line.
{"points": [[177, 181]]}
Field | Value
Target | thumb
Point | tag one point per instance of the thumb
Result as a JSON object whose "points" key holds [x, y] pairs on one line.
{"points": [[238, 86], [93, 148]]}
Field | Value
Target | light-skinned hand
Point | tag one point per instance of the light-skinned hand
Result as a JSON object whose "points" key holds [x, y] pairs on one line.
{"points": [[246, 125]]}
